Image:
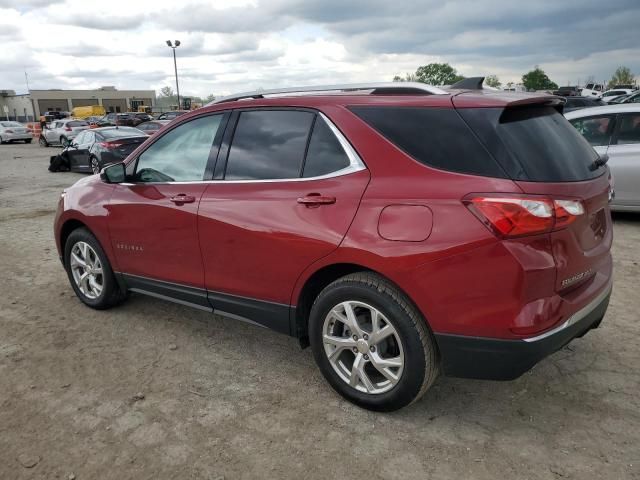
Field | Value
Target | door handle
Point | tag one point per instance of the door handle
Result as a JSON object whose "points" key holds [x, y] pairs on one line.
{"points": [[315, 200], [182, 199]]}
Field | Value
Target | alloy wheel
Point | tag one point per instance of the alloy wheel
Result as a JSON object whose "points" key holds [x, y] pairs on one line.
{"points": [[363, 347], [95, 165], [42, 141], [87, 270]]}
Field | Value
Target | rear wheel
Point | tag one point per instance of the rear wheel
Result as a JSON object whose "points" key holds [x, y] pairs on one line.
{"points": [[43, 141], [90, 272], [1, 141], [371, 344], [64, 141]]}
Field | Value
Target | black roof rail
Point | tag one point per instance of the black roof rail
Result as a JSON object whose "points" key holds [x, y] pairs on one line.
{"points": [[471, 83]]}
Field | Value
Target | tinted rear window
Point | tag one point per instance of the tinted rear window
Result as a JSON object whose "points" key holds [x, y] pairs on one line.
{"points": [[77, 124], [121, 132], [434, 136], [534, 143]]}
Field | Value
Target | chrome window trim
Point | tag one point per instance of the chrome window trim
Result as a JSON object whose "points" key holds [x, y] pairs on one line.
{"points": [[355, 165]]}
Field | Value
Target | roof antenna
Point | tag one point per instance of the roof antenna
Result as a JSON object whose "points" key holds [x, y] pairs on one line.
{"points": [[471, 83]]}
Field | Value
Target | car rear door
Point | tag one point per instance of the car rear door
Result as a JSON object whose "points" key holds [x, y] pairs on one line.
{"points": [[624, 159], [153, 217], [288, 186]]}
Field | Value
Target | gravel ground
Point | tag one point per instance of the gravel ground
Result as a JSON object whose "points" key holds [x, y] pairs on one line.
{"points": [[154, 390]]}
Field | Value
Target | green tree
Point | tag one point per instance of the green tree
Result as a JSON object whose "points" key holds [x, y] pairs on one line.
{"points": [[438, 74], [210, 98], [622, 76], [408, 77], [166, 92], [536, 79], [492, 81]]}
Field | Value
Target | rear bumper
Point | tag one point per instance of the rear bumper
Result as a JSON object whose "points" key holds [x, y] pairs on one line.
{"points": [[498, 359]]}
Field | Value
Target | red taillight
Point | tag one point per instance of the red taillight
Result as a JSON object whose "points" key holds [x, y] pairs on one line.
{"points": [[110, 144], [518, 215], [67, 129]]}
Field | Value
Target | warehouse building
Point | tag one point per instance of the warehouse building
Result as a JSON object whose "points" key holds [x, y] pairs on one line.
{"points": [[27, 107]]}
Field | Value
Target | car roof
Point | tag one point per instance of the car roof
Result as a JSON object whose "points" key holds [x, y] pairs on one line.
{"points": [[447, 99], [588, 112]]}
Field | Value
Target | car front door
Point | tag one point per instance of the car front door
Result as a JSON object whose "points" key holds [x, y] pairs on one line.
{"points": [[287, 188], [153, 217], [624, 159], [74, 151], [83, 143]]}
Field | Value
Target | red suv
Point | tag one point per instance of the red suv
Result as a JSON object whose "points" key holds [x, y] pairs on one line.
{"points": [[399, 229]]}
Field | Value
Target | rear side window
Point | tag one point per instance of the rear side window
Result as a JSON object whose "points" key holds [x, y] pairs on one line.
{"points": [[77, 124], [629, 129], [534, 143], [268, 144], [595, 130], [434, 136], [325, 154]]}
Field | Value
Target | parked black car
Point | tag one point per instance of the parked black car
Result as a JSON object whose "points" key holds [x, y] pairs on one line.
{"points": [[568, 91], [142, 117], [92, 149], [171, 115], [576, 103]]}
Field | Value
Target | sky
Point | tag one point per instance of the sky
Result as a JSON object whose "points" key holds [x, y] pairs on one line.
{"points": [[232, 46]]}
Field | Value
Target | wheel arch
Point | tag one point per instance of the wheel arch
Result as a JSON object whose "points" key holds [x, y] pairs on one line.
{"points": [[321, 278], [67, 227]]}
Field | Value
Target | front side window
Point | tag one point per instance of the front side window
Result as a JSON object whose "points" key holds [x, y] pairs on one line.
{"points": [[629, 130], [596, 130], [180, 155], [268, 144]]}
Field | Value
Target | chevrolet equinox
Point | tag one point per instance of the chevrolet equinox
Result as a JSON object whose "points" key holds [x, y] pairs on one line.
{"points": [[400, 230]]}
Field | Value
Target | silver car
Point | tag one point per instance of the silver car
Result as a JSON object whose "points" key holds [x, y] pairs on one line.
{"points": [[12, 131], [61, 132], [615, 130]]}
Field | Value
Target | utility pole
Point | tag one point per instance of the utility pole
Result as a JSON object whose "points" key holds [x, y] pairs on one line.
{"points": [[173, 46]]}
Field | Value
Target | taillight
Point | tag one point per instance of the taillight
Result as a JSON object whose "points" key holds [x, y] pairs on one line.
{"points": [[518, 215], [68, 129], [109, 144], [567, 211]]}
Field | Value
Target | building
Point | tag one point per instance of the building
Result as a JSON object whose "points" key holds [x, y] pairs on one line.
{"points": [[28, 107]]}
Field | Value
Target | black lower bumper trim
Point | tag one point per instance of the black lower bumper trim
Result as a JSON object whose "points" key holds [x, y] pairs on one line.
{"points": [[496, 359]]}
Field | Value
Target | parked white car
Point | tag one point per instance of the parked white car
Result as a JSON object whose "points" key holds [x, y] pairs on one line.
{"points": [[614, 130], [615, 93], [13, 131], [61, 132]]}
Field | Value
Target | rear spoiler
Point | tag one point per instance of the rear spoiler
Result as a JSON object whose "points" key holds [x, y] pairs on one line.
{"points": [[501, 99]]}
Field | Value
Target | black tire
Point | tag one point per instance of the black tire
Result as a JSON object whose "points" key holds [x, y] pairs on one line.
{"points": [[28, 140], [420, 353], [111, 294], [93, 163], [43, 141], [64, 141]]}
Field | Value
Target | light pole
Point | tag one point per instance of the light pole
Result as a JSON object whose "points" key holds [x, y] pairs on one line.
{"points": [[173, 46]]}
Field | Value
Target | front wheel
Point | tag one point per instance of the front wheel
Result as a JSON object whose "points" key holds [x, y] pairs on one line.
{"points": [[94, 164], [28, 140], [90, 272], [371, 344]]}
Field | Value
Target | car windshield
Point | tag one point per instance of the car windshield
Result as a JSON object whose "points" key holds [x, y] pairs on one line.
{"points": [[121, 132], [77, 124], [10, 124]]}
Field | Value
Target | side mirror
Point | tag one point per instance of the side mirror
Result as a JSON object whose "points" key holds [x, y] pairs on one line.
{"points": [[114, 173]]}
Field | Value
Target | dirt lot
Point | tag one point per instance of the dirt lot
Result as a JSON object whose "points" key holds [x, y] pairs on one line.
{"points": [[224, 399]]}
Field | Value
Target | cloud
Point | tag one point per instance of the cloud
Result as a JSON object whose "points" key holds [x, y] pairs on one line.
{"points": [[236, 45]]}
